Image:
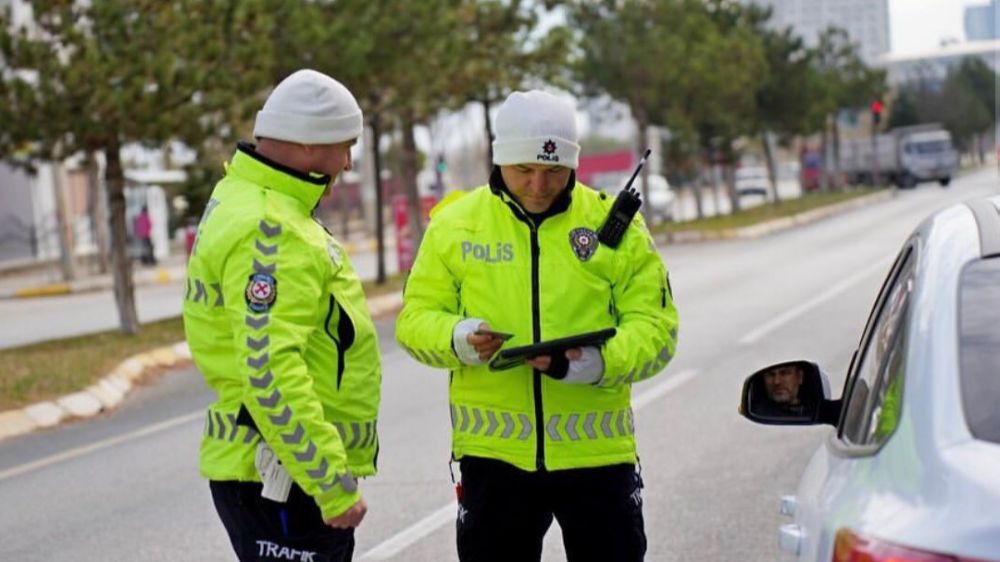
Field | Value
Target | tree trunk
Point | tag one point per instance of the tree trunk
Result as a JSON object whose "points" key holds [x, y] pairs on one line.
{"points": [[121, 265], [765, 139], [96, 200], [67, 262], [409, 170], [345, 213], [824, 177], [729, 176], [489, 136], [379, 203], [714, 177], [836, 154], [697, 194]]}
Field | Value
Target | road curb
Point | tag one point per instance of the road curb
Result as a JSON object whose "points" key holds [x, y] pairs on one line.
{"points": [[161, 276], [776, 225], [108, 392], [105, 394]]}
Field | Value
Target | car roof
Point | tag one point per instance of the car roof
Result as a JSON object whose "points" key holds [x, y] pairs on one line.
{"points": [[932, 465], [946, 242], [929, 136]]}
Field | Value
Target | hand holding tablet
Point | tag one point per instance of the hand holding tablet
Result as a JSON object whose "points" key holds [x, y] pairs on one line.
{"points": [[510, 358]]}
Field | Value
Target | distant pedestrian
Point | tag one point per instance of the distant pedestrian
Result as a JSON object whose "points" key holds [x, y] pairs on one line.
{"points": [[143, 228], [278, 325]]}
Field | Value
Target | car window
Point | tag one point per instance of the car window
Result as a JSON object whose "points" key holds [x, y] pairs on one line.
{"points": [[979, 347], [872, 402]]}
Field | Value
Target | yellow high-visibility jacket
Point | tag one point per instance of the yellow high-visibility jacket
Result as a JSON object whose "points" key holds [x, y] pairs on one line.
{"points": [[277, 323], [484, 257]]}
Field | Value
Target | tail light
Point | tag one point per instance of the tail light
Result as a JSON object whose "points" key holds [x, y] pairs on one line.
{"points": [[852, 547]]}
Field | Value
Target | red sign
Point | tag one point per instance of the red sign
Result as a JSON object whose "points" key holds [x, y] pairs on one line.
{"points": [[406, 251], [594, 164], [404, 240]]}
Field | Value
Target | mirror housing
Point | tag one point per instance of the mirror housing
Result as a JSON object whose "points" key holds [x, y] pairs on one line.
{"points": [[789, 393]]}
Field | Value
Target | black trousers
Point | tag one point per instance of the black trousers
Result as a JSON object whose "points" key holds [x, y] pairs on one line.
{"points": [[505, 512], [261, 529]]}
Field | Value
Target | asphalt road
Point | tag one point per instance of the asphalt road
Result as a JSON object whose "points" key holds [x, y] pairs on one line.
{"points": [[125, 486]]}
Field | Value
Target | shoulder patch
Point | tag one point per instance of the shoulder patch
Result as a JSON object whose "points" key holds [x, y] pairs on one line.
{"points": [[584, 242], [261, 292]]}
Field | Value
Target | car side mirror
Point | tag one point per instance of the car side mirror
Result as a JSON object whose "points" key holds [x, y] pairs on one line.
{"points": [[789, 393]]}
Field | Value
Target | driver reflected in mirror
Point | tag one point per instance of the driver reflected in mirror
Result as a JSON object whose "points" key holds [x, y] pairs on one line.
{"points": [[783, 384], [786, 391], [789, 393]]}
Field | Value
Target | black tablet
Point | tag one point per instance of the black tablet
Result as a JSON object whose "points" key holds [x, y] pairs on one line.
{"points": [[514, 356]]}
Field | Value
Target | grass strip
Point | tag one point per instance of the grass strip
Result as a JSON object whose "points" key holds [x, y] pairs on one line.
{"points": [[765, 212], [49, 370]]}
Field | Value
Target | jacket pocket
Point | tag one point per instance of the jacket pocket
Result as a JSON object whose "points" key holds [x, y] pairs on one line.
{"points": [[342, 333]]}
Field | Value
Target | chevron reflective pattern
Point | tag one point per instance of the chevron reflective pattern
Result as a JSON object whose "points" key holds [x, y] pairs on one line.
{"points": [[198, 291], [574, 426], [434, 358], [648, 369], [223, 426], [358, 435]]}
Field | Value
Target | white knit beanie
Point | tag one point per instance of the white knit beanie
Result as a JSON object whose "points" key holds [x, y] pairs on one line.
{"points": [[536, 128], [309, 107]]}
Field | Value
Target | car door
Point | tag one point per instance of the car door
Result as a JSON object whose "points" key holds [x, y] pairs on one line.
{"points": [[836, 488]]}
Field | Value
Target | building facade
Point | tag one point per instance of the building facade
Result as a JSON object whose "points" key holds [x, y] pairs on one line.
{"points": [[981, 22], [866, 21]]}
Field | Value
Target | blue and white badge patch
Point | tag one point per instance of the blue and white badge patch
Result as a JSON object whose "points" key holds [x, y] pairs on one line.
{"points": [[584, 242], [261, 292]]}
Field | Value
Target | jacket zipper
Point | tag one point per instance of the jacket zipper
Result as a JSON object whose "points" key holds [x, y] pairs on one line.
{"points": [[536, 328]]}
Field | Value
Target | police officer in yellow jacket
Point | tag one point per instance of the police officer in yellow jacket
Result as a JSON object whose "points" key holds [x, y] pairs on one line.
{"points": [[277, 323], [554, 437]]}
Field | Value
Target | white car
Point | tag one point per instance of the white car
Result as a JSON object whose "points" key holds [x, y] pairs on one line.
{"points": [[660, 202], [912, 470], [752, 180]]}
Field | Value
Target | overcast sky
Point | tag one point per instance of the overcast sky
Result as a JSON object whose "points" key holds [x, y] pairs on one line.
{"points": [[917, 25]]}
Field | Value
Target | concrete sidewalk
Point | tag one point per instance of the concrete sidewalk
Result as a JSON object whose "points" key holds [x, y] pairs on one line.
{"points": [[111, 389], [39, 282]]}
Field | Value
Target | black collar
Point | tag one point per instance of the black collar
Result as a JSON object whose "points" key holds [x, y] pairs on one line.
{"points": [[250, 149]]}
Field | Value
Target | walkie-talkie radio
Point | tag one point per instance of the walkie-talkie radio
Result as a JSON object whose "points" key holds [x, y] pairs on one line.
{"points": [[622, 212]]}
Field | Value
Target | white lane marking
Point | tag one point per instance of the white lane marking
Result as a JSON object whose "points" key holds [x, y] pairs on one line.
{"points": [[655, 392], [97, 446], [413, 533], [446, 514], [758, 333]]}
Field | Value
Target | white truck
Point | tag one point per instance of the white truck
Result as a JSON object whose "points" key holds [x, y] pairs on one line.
{"points": [[906, 157]]}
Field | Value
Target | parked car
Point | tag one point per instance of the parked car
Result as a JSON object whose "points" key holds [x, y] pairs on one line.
{"points": [[752, 180], [912, 470], [661, 198], [660, 205]]}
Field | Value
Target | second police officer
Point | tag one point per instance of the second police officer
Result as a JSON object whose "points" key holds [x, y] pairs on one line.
{"points": [[277, 323], [553, 438]]}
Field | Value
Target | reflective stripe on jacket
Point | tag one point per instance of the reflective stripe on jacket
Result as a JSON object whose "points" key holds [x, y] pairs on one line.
{"points": [[277, 323], [483, 257]]}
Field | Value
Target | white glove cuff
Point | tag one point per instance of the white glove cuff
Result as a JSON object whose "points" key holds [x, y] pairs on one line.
{"points": [[459, 341], [588, 369]]}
